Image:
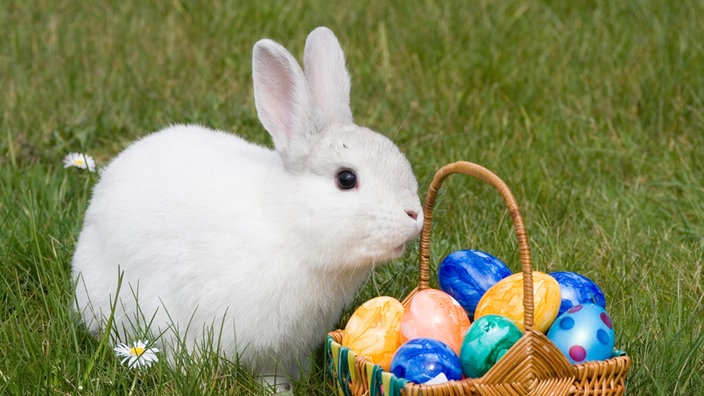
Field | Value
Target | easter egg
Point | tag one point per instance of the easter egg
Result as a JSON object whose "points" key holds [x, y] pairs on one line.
{"points": [[505, 298], [577, 289], [432, 313], [584, 333], [373, 330], [467, 274], [424, 359], [487, 340]]}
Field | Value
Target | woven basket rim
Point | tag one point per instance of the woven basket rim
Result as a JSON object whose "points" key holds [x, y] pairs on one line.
{"points": [[603, 377]]}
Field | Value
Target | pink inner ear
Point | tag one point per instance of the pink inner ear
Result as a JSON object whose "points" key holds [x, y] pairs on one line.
{"points": [[282, 101]]}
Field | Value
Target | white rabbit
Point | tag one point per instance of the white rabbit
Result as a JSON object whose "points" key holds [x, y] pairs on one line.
{"points": [[262, 247]]}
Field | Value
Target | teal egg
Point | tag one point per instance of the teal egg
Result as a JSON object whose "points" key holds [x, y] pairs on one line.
{"points": [[487, 340]]}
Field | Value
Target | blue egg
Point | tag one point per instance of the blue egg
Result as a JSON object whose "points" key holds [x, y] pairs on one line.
{"points": [[422, 359], [467, 274], [583, 333], [577, 289]]}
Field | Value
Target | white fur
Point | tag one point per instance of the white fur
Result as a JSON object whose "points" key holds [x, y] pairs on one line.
{"points": [[260, 246]]}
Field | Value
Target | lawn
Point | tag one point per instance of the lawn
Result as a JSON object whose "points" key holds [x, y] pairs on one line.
{"points": [[591, 111]]}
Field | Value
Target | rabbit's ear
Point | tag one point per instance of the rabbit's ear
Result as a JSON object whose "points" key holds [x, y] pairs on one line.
{"points": [[329, 81], [283, 100]]}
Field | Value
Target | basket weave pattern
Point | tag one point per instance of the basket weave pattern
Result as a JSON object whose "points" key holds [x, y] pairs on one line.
{"points": [[533, 366]]}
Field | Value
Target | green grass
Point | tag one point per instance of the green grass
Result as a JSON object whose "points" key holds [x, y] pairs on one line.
{"points": [[591, 111]]}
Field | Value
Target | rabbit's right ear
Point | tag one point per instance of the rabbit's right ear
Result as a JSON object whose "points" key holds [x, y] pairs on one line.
{"points": [[284, 103], [328, 78]]}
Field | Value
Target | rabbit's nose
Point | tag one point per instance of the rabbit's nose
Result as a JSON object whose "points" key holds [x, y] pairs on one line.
{"points": [[412, 214]]}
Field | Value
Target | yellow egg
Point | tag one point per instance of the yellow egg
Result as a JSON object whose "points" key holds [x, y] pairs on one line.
{"points": [[506, 298], [374, 329]]}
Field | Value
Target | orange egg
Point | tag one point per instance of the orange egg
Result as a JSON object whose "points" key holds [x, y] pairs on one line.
{"points": [[506, 298], [432, 313], [373, 330]]}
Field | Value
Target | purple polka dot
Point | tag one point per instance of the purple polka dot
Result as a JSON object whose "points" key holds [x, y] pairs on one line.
{"points": [[578, 353], [575, 308], [607, 321], [566, 323], [603, 336]]}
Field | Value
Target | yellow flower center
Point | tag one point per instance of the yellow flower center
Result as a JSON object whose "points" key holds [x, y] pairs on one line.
{"points": [[136, 351], [79, 162]]}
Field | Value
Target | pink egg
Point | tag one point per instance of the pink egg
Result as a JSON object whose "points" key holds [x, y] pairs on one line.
{"points": [[434, 314]]}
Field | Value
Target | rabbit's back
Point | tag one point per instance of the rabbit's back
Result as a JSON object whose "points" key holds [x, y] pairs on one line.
{"points": [[180, 214]]}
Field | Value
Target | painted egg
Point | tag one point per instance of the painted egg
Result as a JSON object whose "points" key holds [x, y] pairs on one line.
{"points": [[432, 313], [577, 289], [373, 330], [425, 359], [487, 340], [584, 333], [467, 274], [505, 298]]}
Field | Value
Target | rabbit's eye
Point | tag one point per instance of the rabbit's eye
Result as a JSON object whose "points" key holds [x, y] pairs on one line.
{"points": [[346, 179]]}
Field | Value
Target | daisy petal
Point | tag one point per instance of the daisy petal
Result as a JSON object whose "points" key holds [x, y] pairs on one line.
{"points": [[137, 355], [79, 160]]}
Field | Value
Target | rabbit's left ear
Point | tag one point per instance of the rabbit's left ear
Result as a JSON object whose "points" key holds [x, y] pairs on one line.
{"points": [[327, 76], [284, 103]]}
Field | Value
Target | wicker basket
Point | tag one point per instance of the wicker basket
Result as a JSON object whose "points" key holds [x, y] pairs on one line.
{"points": [[533, 366]]}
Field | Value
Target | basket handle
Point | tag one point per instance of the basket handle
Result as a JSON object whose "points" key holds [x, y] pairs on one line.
{"points": [[484, 174]]}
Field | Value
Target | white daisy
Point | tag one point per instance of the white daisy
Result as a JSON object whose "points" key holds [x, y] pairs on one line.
{"points": [[136, 355], [80, 160]]}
